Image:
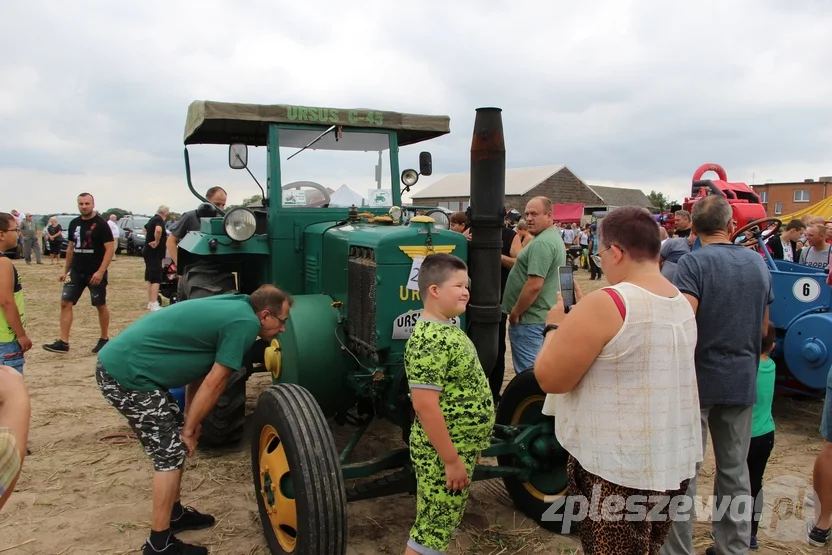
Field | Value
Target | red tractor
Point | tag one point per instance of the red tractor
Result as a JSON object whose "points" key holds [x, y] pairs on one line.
{"points": [[742, 198]]}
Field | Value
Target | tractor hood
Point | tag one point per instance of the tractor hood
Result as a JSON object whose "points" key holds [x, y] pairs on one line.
{"points": [[378, 285], [399, 244]]}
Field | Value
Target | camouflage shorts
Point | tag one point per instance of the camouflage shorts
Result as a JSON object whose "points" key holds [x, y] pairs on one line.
{"points": [[439, 510], [154, 417]]}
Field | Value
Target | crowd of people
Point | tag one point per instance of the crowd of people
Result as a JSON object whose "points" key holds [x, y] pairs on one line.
{"points": [[806, 240], [678, 342], [201, 352]]}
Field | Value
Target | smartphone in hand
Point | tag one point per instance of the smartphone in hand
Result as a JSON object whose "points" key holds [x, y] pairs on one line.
{"points": [[567, 287]]}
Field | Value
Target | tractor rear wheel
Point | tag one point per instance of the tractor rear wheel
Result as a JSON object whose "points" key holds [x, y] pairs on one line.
{"points": [[225, 424], [297, 476], [521, 405]]}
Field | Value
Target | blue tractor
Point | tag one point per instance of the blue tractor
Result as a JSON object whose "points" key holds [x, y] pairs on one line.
{"points": [[801, 313]]}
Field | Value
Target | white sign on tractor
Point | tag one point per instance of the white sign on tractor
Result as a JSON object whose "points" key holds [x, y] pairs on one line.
{"points": [[806, 290], [404, 324]]}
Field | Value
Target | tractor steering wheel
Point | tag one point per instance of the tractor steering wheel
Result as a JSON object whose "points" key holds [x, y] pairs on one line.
{"points": [[740, 237], [298, 184]]}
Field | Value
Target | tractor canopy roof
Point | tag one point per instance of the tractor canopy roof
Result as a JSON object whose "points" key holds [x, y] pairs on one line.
{"points": [[225, 123]]}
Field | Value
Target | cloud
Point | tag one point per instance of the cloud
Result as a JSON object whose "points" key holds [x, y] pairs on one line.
{"points": [[635, 93]]}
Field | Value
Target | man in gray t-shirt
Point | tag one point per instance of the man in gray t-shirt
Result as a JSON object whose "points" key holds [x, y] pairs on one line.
{"points": [[729, 288], [190, 222], [817, 253], [732, 287]]}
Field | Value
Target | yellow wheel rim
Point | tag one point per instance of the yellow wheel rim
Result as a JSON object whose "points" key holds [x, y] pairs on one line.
{"points": [[276, 489], [515, 420]]}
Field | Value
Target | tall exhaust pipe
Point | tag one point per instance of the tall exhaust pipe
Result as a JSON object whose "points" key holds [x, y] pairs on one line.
{"points": [[487, 216]]}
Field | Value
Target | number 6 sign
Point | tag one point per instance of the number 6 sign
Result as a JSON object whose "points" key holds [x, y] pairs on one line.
{"points": [[806, 290]]}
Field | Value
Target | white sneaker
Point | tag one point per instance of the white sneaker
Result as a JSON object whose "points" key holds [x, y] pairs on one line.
{"points": [[154, 306]]}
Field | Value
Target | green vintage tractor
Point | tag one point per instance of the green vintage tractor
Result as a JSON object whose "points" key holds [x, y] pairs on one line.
{"points": [[352, 275]]}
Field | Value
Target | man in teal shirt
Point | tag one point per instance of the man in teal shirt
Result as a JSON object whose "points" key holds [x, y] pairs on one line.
{"points": [[533, 285], [196, 343]]}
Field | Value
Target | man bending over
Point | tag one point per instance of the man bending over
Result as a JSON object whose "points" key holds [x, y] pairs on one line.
{"points": [[186, 344]]}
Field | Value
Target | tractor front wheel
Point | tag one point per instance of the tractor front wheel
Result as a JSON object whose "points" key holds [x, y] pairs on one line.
{"points": [[297, 475], [521, 405]]}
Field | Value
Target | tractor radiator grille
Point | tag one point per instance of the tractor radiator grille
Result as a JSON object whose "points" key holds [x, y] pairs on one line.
{"points": [[361, 295]]}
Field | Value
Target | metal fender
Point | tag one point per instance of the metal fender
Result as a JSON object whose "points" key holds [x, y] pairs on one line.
{"points": [[312, 354], [807, 348]]}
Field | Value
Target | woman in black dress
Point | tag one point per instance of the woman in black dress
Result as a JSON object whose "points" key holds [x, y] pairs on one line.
{"points": [[53, 236]]}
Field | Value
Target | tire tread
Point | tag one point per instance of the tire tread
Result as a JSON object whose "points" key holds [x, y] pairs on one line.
{"points": [[317, 473]]}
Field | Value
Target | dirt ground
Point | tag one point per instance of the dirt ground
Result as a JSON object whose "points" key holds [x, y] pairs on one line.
{"points": [[80, 493]]}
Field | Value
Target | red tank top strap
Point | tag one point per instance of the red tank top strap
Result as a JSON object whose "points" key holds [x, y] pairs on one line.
{"points": [[616, 298]]}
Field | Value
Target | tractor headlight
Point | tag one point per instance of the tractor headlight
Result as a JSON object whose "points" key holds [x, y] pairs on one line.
{"points": [[440, 218], [395, 213], [410, 177], [239, 224]]}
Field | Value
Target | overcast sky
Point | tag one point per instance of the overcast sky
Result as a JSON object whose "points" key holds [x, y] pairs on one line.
{"points": [[93, 95]]}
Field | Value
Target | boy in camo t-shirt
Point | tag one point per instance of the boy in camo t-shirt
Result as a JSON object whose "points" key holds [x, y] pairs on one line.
{"points": [[453, 405]]}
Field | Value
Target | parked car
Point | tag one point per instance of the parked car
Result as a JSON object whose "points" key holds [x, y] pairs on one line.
{"points": [[131, 236], [63, 221]]}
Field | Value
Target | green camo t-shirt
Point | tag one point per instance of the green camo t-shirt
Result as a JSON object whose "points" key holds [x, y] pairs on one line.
{"points": [[179, 344], [541, 257], [440, 356]]}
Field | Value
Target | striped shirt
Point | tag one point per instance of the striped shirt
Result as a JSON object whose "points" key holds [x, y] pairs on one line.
{"points": [[9, 459]]}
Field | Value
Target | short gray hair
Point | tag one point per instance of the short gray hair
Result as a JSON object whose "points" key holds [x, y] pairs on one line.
{"points": [[711, 215], [682, 214], [163, 208]]}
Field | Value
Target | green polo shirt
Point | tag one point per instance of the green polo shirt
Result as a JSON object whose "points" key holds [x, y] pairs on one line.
{"points": [[541, 257], [179, 344]]}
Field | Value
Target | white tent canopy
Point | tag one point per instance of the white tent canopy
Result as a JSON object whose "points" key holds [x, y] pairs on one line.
{"points": [[345, 196]]}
